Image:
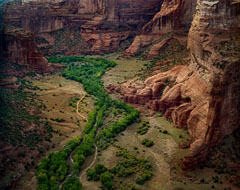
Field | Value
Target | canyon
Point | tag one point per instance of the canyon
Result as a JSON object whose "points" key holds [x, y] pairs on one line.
{"points": [[197, 96], [93, 26], [192, 49]]}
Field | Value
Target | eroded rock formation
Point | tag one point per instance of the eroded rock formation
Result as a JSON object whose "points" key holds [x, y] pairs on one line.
{"points": [[214, 48], [203, 96], [94, 26], [174, 16], [17, 46]]}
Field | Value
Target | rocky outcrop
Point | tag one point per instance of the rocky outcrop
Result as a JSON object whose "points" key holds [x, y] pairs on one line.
{"points": [[140, 42], [176, 94], [17, 46], [214, 48], [174, 16], [103, 24], [203, 96], [154, 51]]}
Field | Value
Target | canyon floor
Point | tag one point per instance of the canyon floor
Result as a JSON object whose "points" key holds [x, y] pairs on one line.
{"points": [[165, 155], [56, 93]]}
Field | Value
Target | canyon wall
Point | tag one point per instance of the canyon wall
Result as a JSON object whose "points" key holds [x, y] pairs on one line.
{"points": [[174, 16], [17, 46], [214, 46], [203, 96], [94, 26]]}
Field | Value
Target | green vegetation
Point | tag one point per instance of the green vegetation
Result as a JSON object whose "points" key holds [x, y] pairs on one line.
{"points": [[106, 179], [15, 116], [223, 155], [143, 128], [166, 132], [96, 172], [57, 120], [143, 178], [40, 40], [108, 133], [100, 172], [22, 130], [53, 170], [172, 54], [63, 42], [72, 183], [88, 71], [147, 142], [128, 165], [131, 165], [73, 102]]}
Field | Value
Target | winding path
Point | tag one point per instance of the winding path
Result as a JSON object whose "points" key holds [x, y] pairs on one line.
{"points": [[78, 107], [70, 159], [93, 162], [81, 179]]}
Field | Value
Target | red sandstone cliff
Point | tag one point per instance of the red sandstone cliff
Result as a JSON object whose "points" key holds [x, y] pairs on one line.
{"points": [[174, 16], [214, 43], [17, 46], [91, 26], [203, 96]]}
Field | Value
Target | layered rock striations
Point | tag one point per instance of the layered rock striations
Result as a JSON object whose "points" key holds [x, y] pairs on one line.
{"points": [[173, 16], [214, 45], [17, 46], [203, 96], [95, 25]]}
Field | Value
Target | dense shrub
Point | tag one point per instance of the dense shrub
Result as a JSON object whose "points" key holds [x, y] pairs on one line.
{"points": [[143, 128], [165, 132], [92, 175], [130, 165], [143, 178], [96, 172], [147, 143], [100, 168], [72, 183], [106, 179]]}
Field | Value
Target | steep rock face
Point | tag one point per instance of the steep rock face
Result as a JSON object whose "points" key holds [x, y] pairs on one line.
{"points": [[102, 24], [179, 93], [18, 47], [214, 48], [174, 15], [204, 96]]}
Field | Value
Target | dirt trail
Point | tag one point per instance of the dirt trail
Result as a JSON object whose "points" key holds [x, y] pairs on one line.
{"points": [[70, 159], [86, 184], [55, 95], [78, 107], [93, 162], [70, 162]]}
